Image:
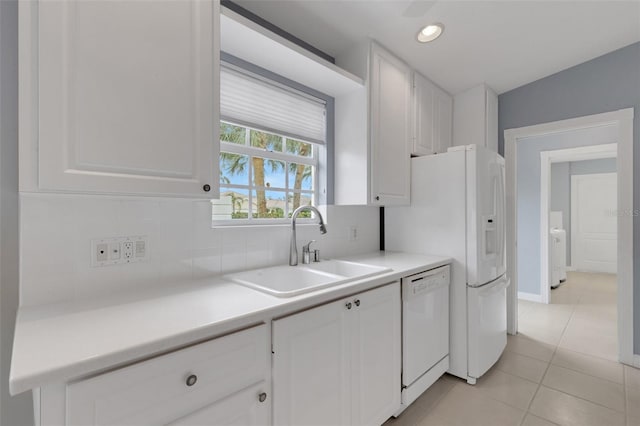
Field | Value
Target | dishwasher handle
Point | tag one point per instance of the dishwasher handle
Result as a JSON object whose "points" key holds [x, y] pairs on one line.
{"points": [[424, 282], [422, 275]]}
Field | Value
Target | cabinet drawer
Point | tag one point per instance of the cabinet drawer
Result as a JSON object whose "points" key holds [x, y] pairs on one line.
{"points": [[157, 391]]}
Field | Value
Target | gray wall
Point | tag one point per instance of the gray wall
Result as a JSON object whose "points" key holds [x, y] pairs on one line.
{"points": [[606, 83], [14, 411], [528, 187], [561, 187]]}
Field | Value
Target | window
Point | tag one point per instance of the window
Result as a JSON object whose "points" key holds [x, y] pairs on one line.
{"points": [[271, 141]]}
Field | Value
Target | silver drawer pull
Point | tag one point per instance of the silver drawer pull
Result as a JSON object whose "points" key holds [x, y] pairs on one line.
{"points": [[191, 380], [262, 397]]}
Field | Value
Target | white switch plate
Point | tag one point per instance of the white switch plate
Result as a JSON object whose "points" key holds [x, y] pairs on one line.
{"points": [[119, 250]]}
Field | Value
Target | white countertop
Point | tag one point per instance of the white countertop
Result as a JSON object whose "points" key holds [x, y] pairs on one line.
{"points": [[64, 342]]}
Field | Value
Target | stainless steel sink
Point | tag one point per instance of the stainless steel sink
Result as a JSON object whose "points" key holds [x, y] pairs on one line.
{"points": [[289, 281]]}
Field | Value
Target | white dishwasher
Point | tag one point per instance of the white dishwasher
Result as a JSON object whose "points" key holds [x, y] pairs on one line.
{"points": [[425, 331]]}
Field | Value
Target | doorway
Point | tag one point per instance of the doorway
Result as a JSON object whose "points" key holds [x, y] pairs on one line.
{"points": [[560, 193], [516, 143]]}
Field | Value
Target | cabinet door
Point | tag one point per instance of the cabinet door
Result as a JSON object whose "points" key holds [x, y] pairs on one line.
{"points": [[243, 408], [158, 392], [443, 121], [376, 366], [127, 96], [423, 118], [311, 367], [492, 120], [390, 128]]}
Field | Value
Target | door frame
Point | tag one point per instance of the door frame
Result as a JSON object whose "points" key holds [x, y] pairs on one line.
{"points": [[624, 120], [574, 211], [590, 152]]}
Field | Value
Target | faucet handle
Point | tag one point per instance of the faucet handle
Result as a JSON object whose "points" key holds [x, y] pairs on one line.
{"points": [[305, 248]]}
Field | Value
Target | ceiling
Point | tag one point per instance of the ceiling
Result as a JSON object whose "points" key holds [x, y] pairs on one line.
{"points": [[504, 44]]}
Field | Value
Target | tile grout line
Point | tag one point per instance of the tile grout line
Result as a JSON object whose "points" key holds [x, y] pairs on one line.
{"points": [[555, 349], [585, 399], [527, 411], [438, 400]]}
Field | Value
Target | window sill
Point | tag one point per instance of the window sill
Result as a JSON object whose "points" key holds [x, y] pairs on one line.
{"points": [[299, 223]]}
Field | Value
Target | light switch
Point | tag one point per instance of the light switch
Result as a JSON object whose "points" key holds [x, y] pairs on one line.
{"points": [[140, 248]]}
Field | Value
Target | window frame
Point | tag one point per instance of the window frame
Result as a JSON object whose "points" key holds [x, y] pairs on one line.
{"points": [[325, 169], [250, 151]]}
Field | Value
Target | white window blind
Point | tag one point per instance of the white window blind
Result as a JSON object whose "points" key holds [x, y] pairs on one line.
{"points": [[254, 102]]}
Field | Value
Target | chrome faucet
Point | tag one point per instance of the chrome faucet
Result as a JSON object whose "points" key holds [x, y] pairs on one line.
{"points": [[293, 248]]}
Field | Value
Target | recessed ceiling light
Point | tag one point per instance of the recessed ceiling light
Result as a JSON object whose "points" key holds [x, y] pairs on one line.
{"points": [[430, 33]]}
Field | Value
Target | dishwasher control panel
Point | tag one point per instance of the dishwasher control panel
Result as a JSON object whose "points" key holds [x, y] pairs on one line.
{"points": [[414, 285]]}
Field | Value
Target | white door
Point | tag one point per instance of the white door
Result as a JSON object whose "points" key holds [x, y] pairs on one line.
{"points": [[376, 365], [486, 236], [127, 96], [312, 365], [594, 202], [390, 133]]}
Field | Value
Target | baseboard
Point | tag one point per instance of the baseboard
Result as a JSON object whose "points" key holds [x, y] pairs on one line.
{"points": [[530, 297], [570, 269], [636, 361]]}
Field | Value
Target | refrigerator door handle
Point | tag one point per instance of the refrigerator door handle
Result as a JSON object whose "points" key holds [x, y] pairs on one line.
{"points": [[502, 226], [504, 283]]}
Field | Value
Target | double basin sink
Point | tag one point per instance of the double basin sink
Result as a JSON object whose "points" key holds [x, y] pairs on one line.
{"points": [[289, 281]]}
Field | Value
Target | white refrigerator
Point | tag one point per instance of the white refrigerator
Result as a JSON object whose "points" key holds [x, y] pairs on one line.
{"points": [[458, 210]]}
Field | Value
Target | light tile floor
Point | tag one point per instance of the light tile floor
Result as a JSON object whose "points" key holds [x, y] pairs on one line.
{"points": [[560, 369]]}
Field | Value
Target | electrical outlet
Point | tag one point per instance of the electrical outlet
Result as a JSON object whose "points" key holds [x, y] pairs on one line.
{"points": [[119, 250], [353, 233], [127, 250]]}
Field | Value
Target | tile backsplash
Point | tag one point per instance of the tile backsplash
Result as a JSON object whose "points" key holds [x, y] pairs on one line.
{"points": [[56, 232]]}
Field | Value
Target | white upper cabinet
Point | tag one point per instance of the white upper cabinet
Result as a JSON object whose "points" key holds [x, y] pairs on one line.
{"points": [[120, 97], [475, 118], [373, 130], [390, 131], [432, 117]]}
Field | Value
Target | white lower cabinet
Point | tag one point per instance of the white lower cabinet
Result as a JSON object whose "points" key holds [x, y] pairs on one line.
{"points": [[239, 409], [339, 364], [225, 381]]}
